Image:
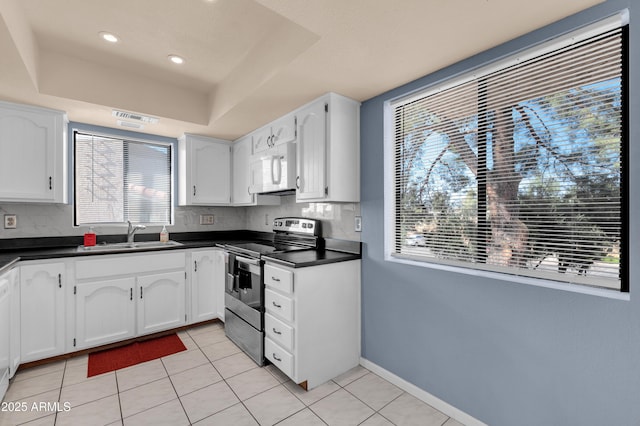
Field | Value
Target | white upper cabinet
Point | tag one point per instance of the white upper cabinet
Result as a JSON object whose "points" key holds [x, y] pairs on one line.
{"points": [[329, 150], [311, 162], [33, 154], [242, 173], [204, 171], [280, 131]]}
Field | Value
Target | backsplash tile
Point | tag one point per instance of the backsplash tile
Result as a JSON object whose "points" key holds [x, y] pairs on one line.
{"points": [[56, 220], [337, 218]]}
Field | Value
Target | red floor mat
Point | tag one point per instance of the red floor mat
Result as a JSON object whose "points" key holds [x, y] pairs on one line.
{"points": [[132, 354]]}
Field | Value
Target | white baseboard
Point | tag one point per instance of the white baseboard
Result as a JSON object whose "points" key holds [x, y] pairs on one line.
{"points": [[422, 395]]}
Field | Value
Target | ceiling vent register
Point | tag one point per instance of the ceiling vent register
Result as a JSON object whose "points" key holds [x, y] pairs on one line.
{"points": [[135, 117]]}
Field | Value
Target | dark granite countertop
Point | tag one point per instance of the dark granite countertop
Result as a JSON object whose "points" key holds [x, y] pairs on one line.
{"points": [[12, 251], [305, 258]]}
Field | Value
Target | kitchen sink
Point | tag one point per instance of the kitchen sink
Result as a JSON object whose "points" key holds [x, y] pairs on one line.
{"points": [[139, 245]]}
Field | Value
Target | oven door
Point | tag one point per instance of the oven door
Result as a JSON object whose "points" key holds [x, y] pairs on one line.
{"points": [[244, 294]]}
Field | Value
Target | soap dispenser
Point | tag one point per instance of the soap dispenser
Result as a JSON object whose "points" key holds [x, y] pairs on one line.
{"points": [[164, 235]]}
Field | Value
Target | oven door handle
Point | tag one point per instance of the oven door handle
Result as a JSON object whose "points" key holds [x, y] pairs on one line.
{"points": [[248, 260]]}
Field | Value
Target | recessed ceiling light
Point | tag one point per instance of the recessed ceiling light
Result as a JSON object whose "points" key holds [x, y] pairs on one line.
{"points": [[176, 59], [110, 37]]}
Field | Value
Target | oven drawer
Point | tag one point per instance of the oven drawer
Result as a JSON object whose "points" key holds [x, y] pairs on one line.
{"points": [[279, 332], [279, 305], [279, 279], [279, 357]]}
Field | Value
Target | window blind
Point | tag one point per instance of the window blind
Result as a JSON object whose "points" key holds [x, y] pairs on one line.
{"points": [[118, 180], [518, 170]]}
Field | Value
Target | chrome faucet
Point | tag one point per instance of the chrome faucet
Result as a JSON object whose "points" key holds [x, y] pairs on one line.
{"points": [[132, 230]]}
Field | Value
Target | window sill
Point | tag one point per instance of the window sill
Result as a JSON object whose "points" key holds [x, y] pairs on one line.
{"points": [[537, 282]]}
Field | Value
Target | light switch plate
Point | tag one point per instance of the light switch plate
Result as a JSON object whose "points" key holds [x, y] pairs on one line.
{"points": [[358, 224], [10, 221]]}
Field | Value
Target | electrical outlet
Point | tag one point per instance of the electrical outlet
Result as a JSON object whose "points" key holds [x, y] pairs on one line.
{"points": [[358, 224], [10, 221], [206, 219]]}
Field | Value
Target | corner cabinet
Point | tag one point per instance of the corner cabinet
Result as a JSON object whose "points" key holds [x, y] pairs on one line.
{"points": [[328, 159], [42, 310], [204, 171], [312, 320], [33, 154]]}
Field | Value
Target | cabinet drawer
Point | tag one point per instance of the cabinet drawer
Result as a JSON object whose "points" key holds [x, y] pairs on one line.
{"points": [[278, 305], [279, 357], [277, 278], [279, 332]]}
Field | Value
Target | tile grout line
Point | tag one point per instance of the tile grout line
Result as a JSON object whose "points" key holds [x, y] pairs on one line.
{"points": [[175, 390]]}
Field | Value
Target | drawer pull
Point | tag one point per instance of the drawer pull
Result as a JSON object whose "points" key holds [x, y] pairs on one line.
{"points": [[275, 279], [276, 357], [276, 305], [276, 331]]}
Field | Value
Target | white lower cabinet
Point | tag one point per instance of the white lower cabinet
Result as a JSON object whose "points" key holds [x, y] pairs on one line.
{"points": [[42, 310], [206, 290], [118, 297], [160, 302], [312, 320], [5, 339], [105, 312], [204, 301], [14, 321]]}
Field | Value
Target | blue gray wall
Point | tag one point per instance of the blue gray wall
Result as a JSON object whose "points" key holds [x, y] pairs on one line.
{"points": [[505, 353]]}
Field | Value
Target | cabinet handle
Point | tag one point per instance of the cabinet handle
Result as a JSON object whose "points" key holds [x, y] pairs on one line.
{"points": [[50, 183], [276, 331], [195, 266], [297, 182], [60, 280], [276, 305], [276, 357], [194, 190], [249, 190], [140, 292], [131, 293], [275, 279], [269, 142]]}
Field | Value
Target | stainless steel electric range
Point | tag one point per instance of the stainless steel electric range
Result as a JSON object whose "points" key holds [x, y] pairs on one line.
{"points": [[244, 292]]}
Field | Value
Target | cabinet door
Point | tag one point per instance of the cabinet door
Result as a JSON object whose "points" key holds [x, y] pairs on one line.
{"points": [[14, 321], [204, 303], [160, 300], [28, 155], [5, 314], [242, 172], [261, 139], [41, 311], [210, 172], [284, 130], [311, 152], [104, 312]]}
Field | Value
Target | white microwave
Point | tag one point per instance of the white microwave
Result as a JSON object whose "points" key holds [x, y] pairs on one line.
{"points": [[274, 170]]}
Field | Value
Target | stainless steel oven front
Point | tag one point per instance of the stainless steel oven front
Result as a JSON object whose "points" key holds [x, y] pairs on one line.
{"points": [[244, 305]]}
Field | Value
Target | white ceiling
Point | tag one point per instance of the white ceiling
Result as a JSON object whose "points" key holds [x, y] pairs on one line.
{"points": [[247, 61]]}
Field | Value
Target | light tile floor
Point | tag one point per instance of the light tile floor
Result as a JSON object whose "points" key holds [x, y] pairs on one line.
{"points": [[211, 383]]}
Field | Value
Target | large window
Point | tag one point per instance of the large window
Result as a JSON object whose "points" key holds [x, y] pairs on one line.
{"points": [[520, 167], [117, 180]]}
